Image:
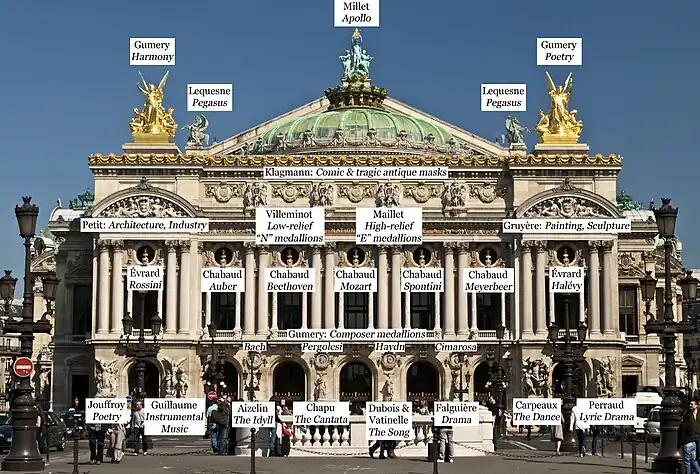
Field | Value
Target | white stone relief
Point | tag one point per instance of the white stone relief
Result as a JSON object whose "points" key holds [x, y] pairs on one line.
{"points": [[143, 206], [388, 195], [487, 192], [422, 193], [255, 194], [223, 192], [357, 192], [566, 208], [454, 196], [105, 378], [605, 377], [535, 377], [322, 195], [289, 193]]}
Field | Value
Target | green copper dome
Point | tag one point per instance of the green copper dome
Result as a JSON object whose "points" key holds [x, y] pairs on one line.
{"points": [[355, 124]]}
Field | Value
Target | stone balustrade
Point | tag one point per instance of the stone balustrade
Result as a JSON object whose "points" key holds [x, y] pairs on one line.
{"points": [[352, 439]]}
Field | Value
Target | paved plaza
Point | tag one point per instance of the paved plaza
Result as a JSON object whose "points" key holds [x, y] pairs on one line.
{"points": [[179, 460]]}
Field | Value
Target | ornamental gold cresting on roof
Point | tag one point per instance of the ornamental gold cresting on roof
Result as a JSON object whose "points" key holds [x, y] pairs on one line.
{"points": [[356, 119]]}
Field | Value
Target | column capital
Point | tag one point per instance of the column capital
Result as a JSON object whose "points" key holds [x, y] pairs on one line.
{"points": [[540, 245], [104, 245], [249, 247], [184, 246], [171, 245], [118, 245], [382, 249], [595, 244], [449, 247], [463, 247], [316, 249], [330, 247], [263, 249], [396, 249], [607, 245], [527, 245]]}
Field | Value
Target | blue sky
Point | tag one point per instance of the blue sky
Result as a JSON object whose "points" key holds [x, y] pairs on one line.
{"points": [[68, 89]]}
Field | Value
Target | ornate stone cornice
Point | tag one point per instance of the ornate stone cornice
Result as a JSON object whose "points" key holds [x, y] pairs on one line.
{"points": [[255, 161]]}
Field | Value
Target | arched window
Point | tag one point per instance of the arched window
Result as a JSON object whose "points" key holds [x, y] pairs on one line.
{"points": [[289, 382], [151, 380], [482, 382], [355, 383], [422, 382]]}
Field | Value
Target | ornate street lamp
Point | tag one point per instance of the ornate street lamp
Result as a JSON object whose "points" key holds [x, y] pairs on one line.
{"points": [[671, 413], [689, 289], [251, 377], [23, 455], [215, 369], [7, 290], [141, 350], [648, 287], [499, 380], [568, 355]]}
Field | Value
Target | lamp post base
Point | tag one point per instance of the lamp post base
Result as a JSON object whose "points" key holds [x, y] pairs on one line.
{"points": [[29, 463], [669, 464], [570, 443]]}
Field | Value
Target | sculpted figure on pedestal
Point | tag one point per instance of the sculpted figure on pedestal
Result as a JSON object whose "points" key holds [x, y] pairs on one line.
{"points": [[605, 378], [105, 378], [196, 128], [535, 377], [153, 119], [559, 125]]}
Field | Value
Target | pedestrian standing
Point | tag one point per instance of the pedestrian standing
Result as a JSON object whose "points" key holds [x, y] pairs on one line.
{"points": [[224, 426], [96, 440], [138, 423], [213, 427], [579, 426], [39, 426], [595, 436], [686, 441], [117, 437], [557, 437]]}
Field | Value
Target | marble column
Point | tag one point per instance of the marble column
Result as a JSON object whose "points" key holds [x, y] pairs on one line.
{"points": [[273, 314], [610, 285], [329, 291], [526, 289], [341, 310], [407, 310], [103, 309], [117, 286], [449, 321], [370, 310], [263, 296], [383, 288], [541, 288], [503, 309], [396, 287], [316, 296], [438, 312], [171, 288], [96, 286], [249, 314], [183, 325], [462, 312], [473, 311]]}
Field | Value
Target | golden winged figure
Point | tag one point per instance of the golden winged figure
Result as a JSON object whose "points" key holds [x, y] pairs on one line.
{"points": [[560, 124], [153, 123]]}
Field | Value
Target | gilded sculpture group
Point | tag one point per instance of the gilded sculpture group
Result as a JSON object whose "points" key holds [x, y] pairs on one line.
{"points": [[558, 126]]}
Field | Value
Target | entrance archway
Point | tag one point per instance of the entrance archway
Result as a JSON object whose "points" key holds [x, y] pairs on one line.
{"points": [[151, 380], [231, 381], [482, 382], [559, 385], [355, 383], [422, 382], [289, 382]]}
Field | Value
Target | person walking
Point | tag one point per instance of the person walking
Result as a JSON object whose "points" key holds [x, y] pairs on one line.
{"points": [[138, 423], [557, 437], [595, 436], [687, 441], [117, 436], [96, 440], [224, 426], [213, 427], [580, 427], [39, 427], [446, 448]]}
